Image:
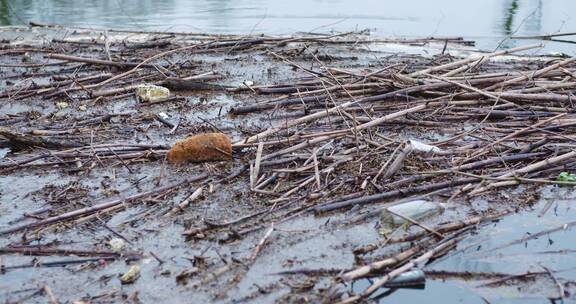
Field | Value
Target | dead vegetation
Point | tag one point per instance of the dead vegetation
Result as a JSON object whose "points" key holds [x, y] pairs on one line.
{"points": [[322, 124]]}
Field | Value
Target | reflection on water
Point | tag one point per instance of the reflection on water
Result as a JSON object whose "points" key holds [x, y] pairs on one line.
{"points": [[521, 18], [488, 21], [534, 21], [509, 21]]}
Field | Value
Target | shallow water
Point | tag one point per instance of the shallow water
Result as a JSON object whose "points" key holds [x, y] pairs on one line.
{"points": [[487, 21], [490, 251]]}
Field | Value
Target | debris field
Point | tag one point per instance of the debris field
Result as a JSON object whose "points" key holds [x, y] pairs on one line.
{"points": [[292, 154]]}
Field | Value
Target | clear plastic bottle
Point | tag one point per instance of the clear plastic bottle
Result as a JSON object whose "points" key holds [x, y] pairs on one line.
{"points": [[410, 279], [415, 210]]}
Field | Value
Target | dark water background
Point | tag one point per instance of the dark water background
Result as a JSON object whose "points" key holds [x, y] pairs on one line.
{"points": [[487, 21]]}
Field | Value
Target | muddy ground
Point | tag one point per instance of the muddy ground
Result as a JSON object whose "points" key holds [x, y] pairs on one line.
{"points": [[226, 264]]}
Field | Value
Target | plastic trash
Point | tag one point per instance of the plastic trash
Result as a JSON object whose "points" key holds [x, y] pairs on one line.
{"points": [[62, 105], [26, 57], [415, 210], [163, 115], [201, 147], [412, 146], [422, 147], [150, 93], [116, 244], [411, 279], [131, 275]]}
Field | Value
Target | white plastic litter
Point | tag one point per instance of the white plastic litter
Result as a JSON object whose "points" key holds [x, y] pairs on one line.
{"points": [[150, 92], [422, 147], [116, 244], [415, 210], [62, 105], [163, 115]]}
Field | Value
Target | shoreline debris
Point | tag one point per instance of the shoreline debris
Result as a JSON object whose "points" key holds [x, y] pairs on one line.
{"points": [[416, 210], [152, 93], [131, 275], [201, 147], [328, 128]]}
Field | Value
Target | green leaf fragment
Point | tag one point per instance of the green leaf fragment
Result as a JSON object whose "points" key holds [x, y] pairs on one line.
{"points": [[566, 177]]}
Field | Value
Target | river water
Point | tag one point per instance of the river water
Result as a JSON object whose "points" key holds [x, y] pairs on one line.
{"points": [[486, 21]]}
